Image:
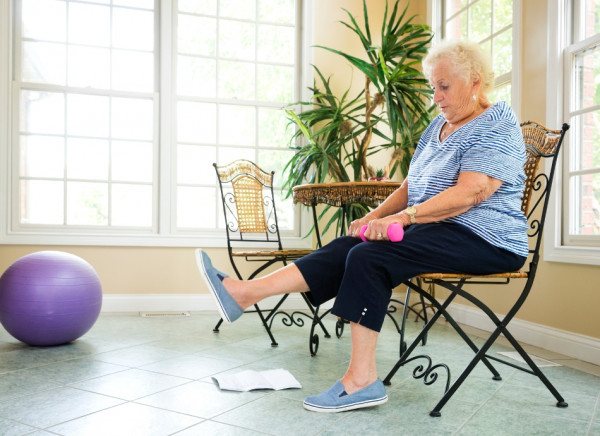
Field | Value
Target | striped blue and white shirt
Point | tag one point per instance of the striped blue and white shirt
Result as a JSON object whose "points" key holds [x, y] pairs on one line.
{"points": [[492, 144]]}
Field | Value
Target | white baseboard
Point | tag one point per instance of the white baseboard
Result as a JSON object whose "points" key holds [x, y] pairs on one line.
{"points": [[570, 344], [574, 345], [115, 303]]}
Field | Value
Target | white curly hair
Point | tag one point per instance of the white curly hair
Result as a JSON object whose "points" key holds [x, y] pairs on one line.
{"points": [[468, 59]]}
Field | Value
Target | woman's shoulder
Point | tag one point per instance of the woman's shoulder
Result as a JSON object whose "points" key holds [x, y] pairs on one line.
{"points": [[500, 111], [499, 119]]}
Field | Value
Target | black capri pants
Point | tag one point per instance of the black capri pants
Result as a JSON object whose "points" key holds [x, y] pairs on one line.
{"points": [[362, 275]]}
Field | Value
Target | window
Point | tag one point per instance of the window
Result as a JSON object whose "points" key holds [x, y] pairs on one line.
{"points": [[575, 232], [582, 111], [491, 24], [120, 107], [84, 143]]}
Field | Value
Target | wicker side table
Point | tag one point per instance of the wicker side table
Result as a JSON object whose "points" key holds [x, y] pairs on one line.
{"points": [[342, 194]]}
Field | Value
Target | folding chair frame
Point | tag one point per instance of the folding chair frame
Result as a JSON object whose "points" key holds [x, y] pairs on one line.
{"points": [[542, 143], [250, 213]]}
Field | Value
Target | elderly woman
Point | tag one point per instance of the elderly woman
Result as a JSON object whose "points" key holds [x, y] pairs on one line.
{"points": [[459, 206]]}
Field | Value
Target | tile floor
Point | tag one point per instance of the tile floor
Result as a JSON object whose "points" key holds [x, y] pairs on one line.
{"points": [[131, 375]]}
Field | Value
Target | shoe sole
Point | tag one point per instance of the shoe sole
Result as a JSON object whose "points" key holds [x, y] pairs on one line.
{"points": [[213, 292], [353, 406]]}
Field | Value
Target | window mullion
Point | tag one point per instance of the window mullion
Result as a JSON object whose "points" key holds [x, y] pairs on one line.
{"points": [[517, 48], [8, 77], [586, 110], [165, 146]]}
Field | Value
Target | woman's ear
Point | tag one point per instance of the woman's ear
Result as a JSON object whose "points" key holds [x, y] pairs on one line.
{"points": [[476, 79]]}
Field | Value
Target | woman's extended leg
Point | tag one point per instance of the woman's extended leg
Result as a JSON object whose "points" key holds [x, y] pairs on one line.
{"points": [[319, 273], [319, 276], [285, 280]]}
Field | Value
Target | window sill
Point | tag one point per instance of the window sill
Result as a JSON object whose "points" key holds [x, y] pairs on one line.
{"points": [[132, 240], [578, 255]]}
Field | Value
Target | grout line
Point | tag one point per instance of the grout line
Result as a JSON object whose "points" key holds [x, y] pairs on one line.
{"points": [[469, 418], [595, 416]]}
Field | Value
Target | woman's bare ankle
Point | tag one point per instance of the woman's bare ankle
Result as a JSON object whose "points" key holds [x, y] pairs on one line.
{"points": [[235, 289], [351, 385]]}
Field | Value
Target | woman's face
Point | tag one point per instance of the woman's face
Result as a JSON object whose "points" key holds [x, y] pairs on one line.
{"points": [[452, 95]]}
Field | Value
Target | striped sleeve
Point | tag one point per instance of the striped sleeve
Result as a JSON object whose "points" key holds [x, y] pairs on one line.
{"points": [[496, 149]]}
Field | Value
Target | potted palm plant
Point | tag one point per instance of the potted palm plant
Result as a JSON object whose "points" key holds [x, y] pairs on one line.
{"points": [[339, 133], [380, 175]]}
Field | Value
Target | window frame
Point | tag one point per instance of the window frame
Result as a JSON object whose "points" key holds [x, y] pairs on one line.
{"points": [[163, 232], [570, 52], [560, 27]]}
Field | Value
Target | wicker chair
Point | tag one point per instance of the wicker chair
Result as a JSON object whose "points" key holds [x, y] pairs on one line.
{"points": [[541, 143], [251, 221]]}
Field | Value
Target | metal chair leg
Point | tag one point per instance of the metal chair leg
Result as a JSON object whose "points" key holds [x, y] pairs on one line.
{"points": [[266, 326], [404, 358], [216, 327]]}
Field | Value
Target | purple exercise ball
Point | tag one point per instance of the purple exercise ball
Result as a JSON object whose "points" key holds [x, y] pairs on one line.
{"points": [[49, 298]]}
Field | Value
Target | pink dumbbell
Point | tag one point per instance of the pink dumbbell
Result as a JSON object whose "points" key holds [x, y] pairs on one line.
{"points": [[395, 232]]}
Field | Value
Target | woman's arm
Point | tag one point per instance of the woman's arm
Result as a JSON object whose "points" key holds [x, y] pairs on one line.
{"points": [[395, 203], [471, 189]]}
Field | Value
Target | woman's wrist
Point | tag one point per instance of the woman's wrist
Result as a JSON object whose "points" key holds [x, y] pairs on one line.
{"points": [[404, 219], [370, 216]]}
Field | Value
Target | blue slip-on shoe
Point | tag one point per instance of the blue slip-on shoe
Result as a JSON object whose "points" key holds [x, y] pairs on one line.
{"points": [[335, 399], [228, 308]]}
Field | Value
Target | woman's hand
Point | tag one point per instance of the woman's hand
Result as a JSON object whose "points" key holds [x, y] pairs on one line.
{"points": [[356, 225], [377, 228]]}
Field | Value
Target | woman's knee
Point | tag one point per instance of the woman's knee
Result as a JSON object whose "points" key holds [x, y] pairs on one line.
{"points": [[366, 257], [343, 243]]}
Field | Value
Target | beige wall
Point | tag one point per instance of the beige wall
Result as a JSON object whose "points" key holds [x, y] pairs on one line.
{"points": [[132, 270], [565, 295]]}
